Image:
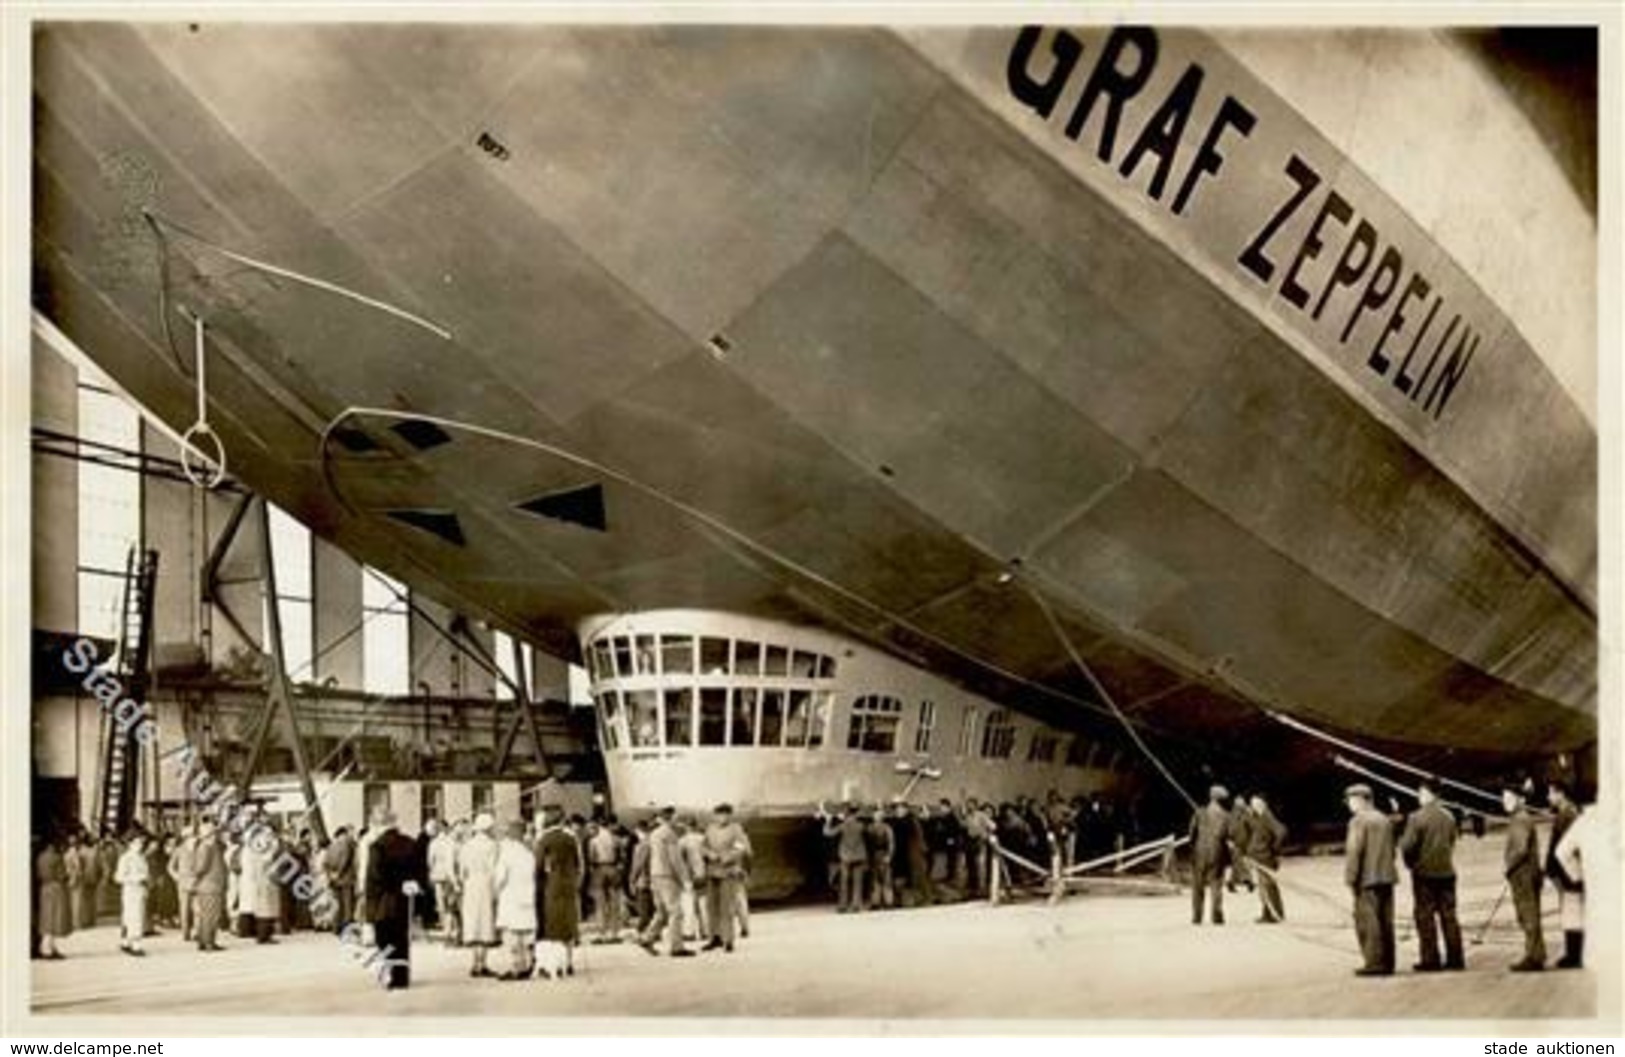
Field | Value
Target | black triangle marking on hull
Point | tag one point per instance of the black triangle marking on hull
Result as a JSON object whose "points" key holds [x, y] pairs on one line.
{"points": [[582, 506], [440, 523]]}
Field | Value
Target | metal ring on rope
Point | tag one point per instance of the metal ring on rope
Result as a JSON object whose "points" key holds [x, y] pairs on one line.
{"points": [[202, 469]]}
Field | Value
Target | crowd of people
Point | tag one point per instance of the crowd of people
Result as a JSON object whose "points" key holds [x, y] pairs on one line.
{"points": [[673, 884], [667, 882], [905, 854]]}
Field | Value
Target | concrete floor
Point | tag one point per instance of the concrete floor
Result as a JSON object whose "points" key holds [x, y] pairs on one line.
{"points": [[1096, 956]]}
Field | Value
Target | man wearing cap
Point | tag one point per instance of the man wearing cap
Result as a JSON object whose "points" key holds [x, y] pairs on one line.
{"points": [[394, 878], [1523, 874], [476, 880], [1428, 847], [1210, 836], [726, 847], [1370, 874]]}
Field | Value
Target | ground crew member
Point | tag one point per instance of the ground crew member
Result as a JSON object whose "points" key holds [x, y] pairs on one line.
{"points": [[208, 887], [1523, 874], [1370, 874], [668, 880], [852, 856], [1210, 836], [882, 846], [1570, 900], [1428, 847], [1265, 835], [1241, 832], [726, 847]]}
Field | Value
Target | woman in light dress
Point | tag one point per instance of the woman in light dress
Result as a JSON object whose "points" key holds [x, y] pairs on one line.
{"points": [[515, 885], [132, 876], [476, 875], [55, 912]]}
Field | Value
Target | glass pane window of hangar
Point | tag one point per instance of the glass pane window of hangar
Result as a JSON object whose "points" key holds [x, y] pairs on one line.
{"points": [[109, 505], [385, 634]]}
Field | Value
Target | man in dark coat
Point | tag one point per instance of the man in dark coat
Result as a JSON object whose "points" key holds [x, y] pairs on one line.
{"points": [[1523, 874], [1265, 835], [1428, 847], [1210, 839], [1370, 874], [208, 887], [427, 910], [917, 855], [1569, 891], [394, 874]]}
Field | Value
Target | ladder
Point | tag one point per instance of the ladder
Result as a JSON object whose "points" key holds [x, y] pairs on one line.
{"points": [[132, 666]]}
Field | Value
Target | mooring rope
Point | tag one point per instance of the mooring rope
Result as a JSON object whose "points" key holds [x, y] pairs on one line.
{"points": [[1332, 739], [1101, 692]]}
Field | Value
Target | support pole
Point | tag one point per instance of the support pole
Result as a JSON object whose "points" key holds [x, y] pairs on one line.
{"points": [[278, 689], [525, 715], [217, 555]]}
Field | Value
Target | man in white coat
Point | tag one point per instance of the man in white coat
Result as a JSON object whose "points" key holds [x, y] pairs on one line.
{"points": [[132, 876], [476, 877], [258, 894], [515, 885]]}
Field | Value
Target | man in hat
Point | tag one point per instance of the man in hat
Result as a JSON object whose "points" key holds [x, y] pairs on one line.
{"points": [[394, 878], [1210, 837], [1570, 899], [1522, 866], [208, 886], [726, 848], [1428, 846], [1370, 874]]}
